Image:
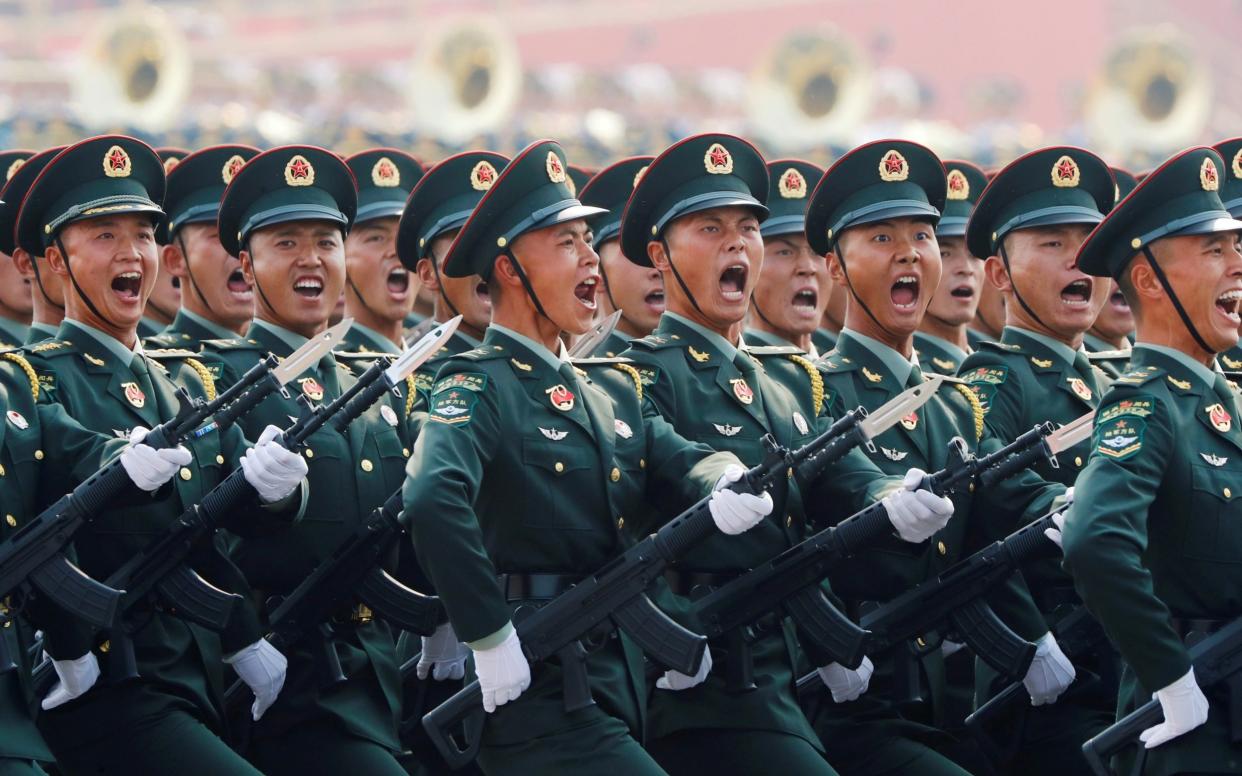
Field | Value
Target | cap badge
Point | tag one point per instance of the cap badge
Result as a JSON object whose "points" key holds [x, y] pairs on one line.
{"points": [[792, 185], [170, 163], [742, 391], [1237, 165], [910, 422], [230, 168], [17, 165], [299, 172], [893, 167], [639, 175], [1080, 388], [1065, 173], [959, 187], [556, 170], [1208, 177], [134, 394], [312, 388], [482, 176], [573, 187], [385, 174], [117, 164], [718, 160], [561, 397], [1219, 417]]}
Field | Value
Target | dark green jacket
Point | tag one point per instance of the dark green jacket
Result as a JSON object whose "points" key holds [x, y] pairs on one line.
{"points": [[615, 344], [12, 333], [184, 332], [824, 340], [936, 355]]}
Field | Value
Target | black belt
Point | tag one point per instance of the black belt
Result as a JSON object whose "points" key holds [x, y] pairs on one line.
{"points": [[683, 583], [535, 587], [1198, 626]]}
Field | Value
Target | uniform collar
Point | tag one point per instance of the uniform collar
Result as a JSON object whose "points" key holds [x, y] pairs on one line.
{"points": [[943, 344], [213, 328], [897, 365], [726, 348], [538, 349], [1063, 351], [107, 341], [43, 328], [1201, 371], [377, 341], [290, 338], [768, 338]]}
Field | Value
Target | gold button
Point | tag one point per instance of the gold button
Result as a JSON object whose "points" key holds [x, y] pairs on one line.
{"points": [[38, 455], [970, 488], [788, 521], [941, 548], [310, 453], [405, 451], [367, 465], [1228, 493], [186, 473], [560, 467], [642, 463], [919, 640], [12, 521], [620, 522], [104, 647], [1078, 460], [615, 474], [1, 470], [219, 459]]}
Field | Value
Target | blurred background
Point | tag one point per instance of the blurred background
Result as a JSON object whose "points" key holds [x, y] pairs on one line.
{"points": [[976, 79]]}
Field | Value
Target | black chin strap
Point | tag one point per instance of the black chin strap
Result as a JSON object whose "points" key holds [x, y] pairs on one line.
{"points": [[185, 255], [613, 302], [1177, 303], [435, 270], [850, 285], [258, 287], [34, 265], [89, 304], [530, 290], [759, 311], [684, 288], [1014, 286]]}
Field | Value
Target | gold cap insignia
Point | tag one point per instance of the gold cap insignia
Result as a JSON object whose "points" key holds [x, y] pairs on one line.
{"points": [[573, 187], [299, 172], [1116, 193], [718, 160], [639, 175], [385, 174], [893, 167], [792, 185], [170, 163], [13, 168], [1208, 177], [116, 163], [1065, 173], [230, 168], [556, 170], [959, 187], [1237, 164], [482, 176]]}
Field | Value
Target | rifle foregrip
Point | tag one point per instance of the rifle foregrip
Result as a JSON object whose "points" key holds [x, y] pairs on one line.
{"points": [[824, 624], [1007, 467], [660, 637], [75, 592], [1100, 749], [401, 606], [362, 398], [689, 528], [864, 529], [992, 640], [466, 706], [196, 599], [246, 400]]}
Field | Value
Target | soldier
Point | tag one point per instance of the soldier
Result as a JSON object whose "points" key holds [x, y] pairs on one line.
{"points": [[874, 214], [528, 476], [48, 294], [638, 292], [15, 304], [285, 216], [165, 297], [1152, 539], [825, 337], [695, 216], [1030, 221], [216, 301], [1107, 342], [92, 214], [1231, 195], [943, 340]]}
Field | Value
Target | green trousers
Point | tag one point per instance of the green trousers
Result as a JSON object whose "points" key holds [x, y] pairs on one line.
{"points": [[321, 747], [602, 746], [722, 752]]}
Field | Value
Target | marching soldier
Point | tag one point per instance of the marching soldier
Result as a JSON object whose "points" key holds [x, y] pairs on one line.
{"points": [[637, 291], [47, 291], [825, 337], [1153, 538], [15, 305], [943, 340], [1107, 342], [92, 214], [528, 475], [695, 215], [1231, 195], [165, 297]]}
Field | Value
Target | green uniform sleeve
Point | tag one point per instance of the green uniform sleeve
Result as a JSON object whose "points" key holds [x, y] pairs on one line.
{"points": [[680, 472]]}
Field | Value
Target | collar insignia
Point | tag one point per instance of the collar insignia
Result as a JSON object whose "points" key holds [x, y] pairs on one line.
{"points": [[520, 365], [134, 394], [727, 430], [92, 360], [1042, 363], [623, 429], [554, 434], [742, 391], [1215, 460], [1079, 388], [894, 455], [1232, 363], [944, 363], [872, 376], [698, 355], [561, 397], [1183, 384]]}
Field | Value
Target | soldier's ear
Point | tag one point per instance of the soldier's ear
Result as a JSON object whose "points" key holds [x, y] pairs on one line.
{"points": [[504, 273], [23, 262], [1144, 282], [995, 273], [835, 271], [658, 255], [247, 265], [426, 275], [172, 260], [55, 259]]}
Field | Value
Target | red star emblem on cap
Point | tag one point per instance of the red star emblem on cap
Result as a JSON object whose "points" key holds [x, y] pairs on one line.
{"points": [[1065, 169], [385, 170], [554, 164], [116, 159], [484, 174], [956, 183], [1209, 173], [720, 157], [792, 181], [893, 163], [299, 168]]}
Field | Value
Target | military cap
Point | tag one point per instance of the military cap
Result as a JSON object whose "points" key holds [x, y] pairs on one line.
{"points": [[291, 183], [877, 181], [695, 174], [14, 191], [197, 183], [964, 182], [1231, 186], [532, 192], [171, 156], [610, 189], [1052, 186], [385, 177], [1180, 197], [578, 178], [1125, 182], [790, 183], [102, 175], [443, 199]]}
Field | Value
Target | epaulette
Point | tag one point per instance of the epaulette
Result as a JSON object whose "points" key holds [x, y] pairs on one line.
{"points": [[482, 353], [1139, 376], [655, 342], [233, 343], [171, 353], [835, 362], [53, 348], [976, 408], [624, 365], [774, 350], [24, 365], [599, 360], [817, 379], [357, 355], [1109, 355], [1004, 347]]}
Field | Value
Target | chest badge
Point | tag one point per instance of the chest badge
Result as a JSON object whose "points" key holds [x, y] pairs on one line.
{"points": [[623, 429], [911, 421], [134, 395], [893, 455], [312, 388], [389, 415], [1079, 388], [1215, 460], [555, 434], [800, 423], [1219, 417], [727, 430], [742, 391], [561, 397], [18, 420]]}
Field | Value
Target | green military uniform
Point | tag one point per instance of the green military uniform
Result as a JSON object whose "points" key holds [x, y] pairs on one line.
{"points": [[12, 333], [529, 475], [976, 338], [314, 724], [14, 191], [824, 340], [1152, 539], [1112, 362], [938, 355], [1231, 196], [1027, 378]]}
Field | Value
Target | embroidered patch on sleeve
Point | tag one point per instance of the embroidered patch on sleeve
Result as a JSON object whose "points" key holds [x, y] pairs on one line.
{"points": [[468, 381], [648, 374], [454, 406], [984, 381], [1139, 406], [1121, 437]]}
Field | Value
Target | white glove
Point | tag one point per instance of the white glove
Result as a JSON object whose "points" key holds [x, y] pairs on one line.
{"points": [[1184, 708], [271, 470], [147, 467], [846, 684], [262, 667], [916, 514], [503, 672], [444, 657], [1051, 672], [733, 512], [1054, 534], [75, 678], [676, 680]]}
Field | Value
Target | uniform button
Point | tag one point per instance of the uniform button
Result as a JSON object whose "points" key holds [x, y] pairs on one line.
{"points": [[941, 548], [620, 522], [186, 474], [104, 647], [560, 467], [220, 459], [405, 451], [38, 455], [12, 521], [1228, 493], [642, 463], [788, 521], [310, 453], [919, 640], [367, 465], [1078, 460], [1, 470], [615, 474]]}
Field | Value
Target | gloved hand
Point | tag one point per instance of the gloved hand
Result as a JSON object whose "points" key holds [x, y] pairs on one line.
{"points": [[262, 667], [75, 677], [1185, 708], [676, 680], [846, 684], [1054, 534], [147, 467], [1051, 672], [503, 672], [916, 514], [444, 657], [271, 470], [733, 512]]}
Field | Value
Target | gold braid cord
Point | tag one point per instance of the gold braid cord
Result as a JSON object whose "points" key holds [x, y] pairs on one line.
{"points": [[204, 374], [17, 358], [411, 389], [975, 406], [633, 373], [817, 381]]}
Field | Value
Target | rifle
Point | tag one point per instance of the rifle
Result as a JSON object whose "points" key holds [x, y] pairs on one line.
{"points": [[615, 597], [1217, 659], [594, 337], [33, 558]]}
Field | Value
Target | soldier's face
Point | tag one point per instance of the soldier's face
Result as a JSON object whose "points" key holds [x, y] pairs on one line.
{"points": [[564, 271], [115, 261], [1041, 265], [894, 267], [165, 297], [14, 290], [299, 270], [373, 267], [719, 253], [957, 297], [217, 276], [637, 290], [468, 295], [789, 292], [1206, 273], [52, 283], [1115, 319]]}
